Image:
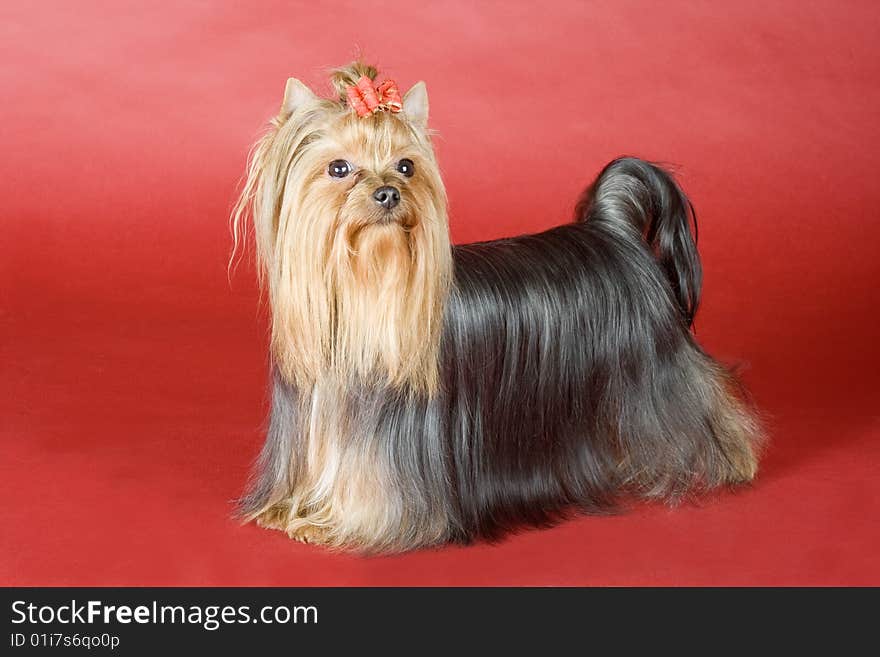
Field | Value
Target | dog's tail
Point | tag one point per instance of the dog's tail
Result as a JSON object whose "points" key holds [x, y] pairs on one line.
{"points": [[633, 195]]}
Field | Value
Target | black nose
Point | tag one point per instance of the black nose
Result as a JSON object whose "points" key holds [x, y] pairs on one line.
{"points": [[387, 196]]}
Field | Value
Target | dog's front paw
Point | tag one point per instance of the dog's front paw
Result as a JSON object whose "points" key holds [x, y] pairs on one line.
{"points": [[276, 516], [305, 532]]}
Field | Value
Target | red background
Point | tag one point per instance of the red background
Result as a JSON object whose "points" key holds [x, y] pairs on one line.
{"points": [[132, 388]]}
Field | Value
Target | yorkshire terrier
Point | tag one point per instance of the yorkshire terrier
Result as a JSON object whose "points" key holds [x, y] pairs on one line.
{"points": [[426, 393]]}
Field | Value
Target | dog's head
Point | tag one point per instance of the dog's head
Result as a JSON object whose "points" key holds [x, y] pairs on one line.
{"points": [[349, 213]]}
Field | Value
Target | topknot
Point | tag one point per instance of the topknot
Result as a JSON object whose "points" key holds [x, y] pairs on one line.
{"points": [[347, 76]]}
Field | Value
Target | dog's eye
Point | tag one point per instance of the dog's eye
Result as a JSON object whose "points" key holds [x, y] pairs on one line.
{"points": [[406, 167], [339, 168]]}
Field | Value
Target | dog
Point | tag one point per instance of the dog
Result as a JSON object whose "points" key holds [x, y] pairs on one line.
{"points": [[425, 393]]}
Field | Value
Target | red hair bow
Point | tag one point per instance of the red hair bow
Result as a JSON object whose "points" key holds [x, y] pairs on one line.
{"points": [[366, 100]]}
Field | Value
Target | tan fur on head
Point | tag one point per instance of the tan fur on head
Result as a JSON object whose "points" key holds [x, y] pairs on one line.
{"points": [[356, 292]]}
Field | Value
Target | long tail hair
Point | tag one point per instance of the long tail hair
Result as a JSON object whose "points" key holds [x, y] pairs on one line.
{"points": [[632, 194]]}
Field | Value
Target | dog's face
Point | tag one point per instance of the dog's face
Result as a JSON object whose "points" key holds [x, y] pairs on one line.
{"points": [[367, 182], [350, 220], [374, 173]]}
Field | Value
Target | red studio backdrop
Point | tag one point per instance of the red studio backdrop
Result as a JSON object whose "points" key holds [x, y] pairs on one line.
{"points": [[133, 370]]}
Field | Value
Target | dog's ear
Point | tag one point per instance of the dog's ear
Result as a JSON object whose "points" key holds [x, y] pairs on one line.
{"points": [[415, 104], [296, 94]]}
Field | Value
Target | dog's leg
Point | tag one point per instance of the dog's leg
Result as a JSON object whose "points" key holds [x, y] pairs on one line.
{"points": [[306, 532], [735, 428], [302, 528], [275, 517]]}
